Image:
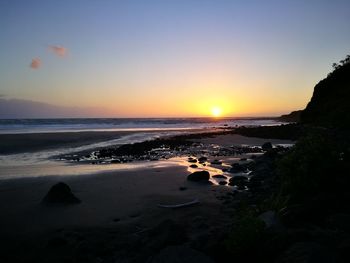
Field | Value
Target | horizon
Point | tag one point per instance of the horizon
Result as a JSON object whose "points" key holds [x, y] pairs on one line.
{"points": [[166, 59]]}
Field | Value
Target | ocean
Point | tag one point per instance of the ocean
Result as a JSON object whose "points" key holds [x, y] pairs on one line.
{"points": [[44, 163], [12, 126]]}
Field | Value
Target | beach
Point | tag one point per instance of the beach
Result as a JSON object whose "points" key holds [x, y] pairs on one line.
{"points": [[123, 198]]}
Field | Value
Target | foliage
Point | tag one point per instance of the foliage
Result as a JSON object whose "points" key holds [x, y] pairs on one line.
{"points": [[330, 103], [314, 164], [246, 234]]}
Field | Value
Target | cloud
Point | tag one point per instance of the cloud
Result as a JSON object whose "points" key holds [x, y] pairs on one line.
{"points": [[36, 63], [58, 50]]}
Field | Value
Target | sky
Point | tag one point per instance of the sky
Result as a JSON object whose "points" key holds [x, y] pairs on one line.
{"points": [[170, 58]]}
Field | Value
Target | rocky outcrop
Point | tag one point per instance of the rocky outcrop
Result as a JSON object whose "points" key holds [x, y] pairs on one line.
{"points": [[60, 193], [330, 102]]}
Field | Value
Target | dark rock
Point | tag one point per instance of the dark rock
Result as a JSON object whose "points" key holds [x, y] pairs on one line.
{"points": [[60, 193], [202, 159], [180, 254], [238, 180], [219, 176], [254, 183], [216, 162], [266, 146], [237, 168], [194, 166], [199, 176], [192, 160], [222, 183], [243, 159]]}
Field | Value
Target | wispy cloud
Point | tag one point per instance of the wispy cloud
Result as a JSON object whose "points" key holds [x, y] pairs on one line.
{"points": [[36, 63], [58, 50]]}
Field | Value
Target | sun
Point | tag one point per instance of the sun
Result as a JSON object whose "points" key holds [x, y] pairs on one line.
{"points": [[216, 111]]}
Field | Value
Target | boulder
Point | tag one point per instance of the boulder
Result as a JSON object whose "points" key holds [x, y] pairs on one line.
{"points": [[236, 168], [238, 180], [199, 176], [202, 159], [60, 193], [194, 166], [192, 160]]}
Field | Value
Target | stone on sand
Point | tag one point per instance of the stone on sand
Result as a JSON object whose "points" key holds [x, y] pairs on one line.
{"points": [[199, 176], [60, 193]]}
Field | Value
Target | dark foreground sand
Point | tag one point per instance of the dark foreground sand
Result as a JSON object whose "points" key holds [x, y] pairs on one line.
{"points": [[119, 209]]}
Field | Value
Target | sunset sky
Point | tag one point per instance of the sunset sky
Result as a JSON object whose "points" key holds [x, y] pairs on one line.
{"points": [[170, 58]]}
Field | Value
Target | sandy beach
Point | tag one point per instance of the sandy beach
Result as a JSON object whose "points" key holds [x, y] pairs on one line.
{"points": [[122, 200]]}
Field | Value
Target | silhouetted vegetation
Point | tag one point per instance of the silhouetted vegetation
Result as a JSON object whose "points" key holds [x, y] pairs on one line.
{"points": [[330, 104], [294, 116], [309, 184]]}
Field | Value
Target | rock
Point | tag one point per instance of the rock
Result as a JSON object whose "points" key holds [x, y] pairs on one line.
{"points": [[180, 254], [266, 146], [222, 183], [194, 166], [216, 162], [219, 176], [202, 159], [237, 168], [116, 161], [192, 160], [60, 193], [199, 176], [243, 159], [238, 180]]}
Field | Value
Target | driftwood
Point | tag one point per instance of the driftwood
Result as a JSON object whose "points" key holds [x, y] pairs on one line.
{"points": [[193, 202]]}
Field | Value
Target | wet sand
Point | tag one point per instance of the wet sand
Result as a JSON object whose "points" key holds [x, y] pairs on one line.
{"points": [[30, 142], [33, 142], [122, 202]]}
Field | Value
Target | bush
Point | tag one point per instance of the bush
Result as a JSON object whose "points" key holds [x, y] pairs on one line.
{"points": [[316, 163], [246, 234]]}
